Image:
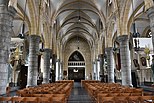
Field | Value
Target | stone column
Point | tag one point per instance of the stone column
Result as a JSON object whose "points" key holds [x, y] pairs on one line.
{"points": [[54, 67], [46, 69], [61, 70], [101, 59], [150, 13], [110, 64], [125, 60], [98, 69], [42, 63], [94, 71], [33, 60], [57, 69], [6, 19], [51, 69]]}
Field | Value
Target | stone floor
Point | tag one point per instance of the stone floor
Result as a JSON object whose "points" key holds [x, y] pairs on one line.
{"points": [[79, 95]]}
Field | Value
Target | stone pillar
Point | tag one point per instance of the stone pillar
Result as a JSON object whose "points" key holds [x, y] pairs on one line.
{"points": [[54, 67], [110, 64], [46, 69], [42, 63], [6, 19], [57, 70], [98, 69], [33, 60], [125, 60], [101, 59], [94, 71], [61, 70], [150, 13]]}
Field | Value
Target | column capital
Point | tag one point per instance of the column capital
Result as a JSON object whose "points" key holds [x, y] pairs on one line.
{"points": [[36, 37], [150, 12], [122, 38]]}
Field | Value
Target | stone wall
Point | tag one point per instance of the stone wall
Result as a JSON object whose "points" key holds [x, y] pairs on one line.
{"points": [[72, 46]]}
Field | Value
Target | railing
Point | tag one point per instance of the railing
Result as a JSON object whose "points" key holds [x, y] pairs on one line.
{"points": [[76, 64]]}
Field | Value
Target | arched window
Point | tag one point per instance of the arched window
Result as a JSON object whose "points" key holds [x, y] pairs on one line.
{"points": [[76, 56]]}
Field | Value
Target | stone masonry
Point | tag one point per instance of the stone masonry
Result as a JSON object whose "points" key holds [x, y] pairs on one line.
{"points": [[6, 19], [110, 64], [33, 60], [46, 70], [125, 60]]}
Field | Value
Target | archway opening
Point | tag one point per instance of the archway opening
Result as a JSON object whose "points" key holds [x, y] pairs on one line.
{"points": [[76, 67]]}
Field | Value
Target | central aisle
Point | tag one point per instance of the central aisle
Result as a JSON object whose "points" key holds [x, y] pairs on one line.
{"points": [[79, 95]]}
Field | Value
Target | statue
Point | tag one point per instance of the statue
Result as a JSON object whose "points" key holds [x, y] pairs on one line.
{"points": [[147, 52]]}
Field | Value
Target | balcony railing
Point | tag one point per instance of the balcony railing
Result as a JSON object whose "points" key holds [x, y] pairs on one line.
{"points": [[76, 64]]}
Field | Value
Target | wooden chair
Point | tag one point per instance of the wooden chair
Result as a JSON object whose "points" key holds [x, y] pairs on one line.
{"points": [[59, 98], [147, 93], [25, 99], [146, 99], [5, 99], [45, 100], [36, 95], [152, 98], [121, 99], [56, 98], [114, 94], [107, 100], [17, 99], [134, 99], [99, 96], [22, 93], [136, 94], [125, 94], [30, 100]]}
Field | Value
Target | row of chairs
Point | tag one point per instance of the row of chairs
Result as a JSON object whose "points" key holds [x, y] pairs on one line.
{"points": [[50, 93], [96, 88], [26, 100], [107, 92], [127, 99], [56, 98], [53, 88]]}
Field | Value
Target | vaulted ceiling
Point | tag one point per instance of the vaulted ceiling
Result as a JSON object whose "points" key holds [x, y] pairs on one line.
{"points": [[66, 19]]}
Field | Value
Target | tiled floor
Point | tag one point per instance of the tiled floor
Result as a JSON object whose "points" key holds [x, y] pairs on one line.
{"points": [[79, 95]]}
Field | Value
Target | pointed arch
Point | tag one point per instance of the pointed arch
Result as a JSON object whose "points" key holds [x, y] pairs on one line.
{"points": [[76, 56]]}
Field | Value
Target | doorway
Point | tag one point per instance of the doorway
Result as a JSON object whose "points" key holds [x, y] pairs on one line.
{"points": [[77, 74], [76, 67], [22, 80]]}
